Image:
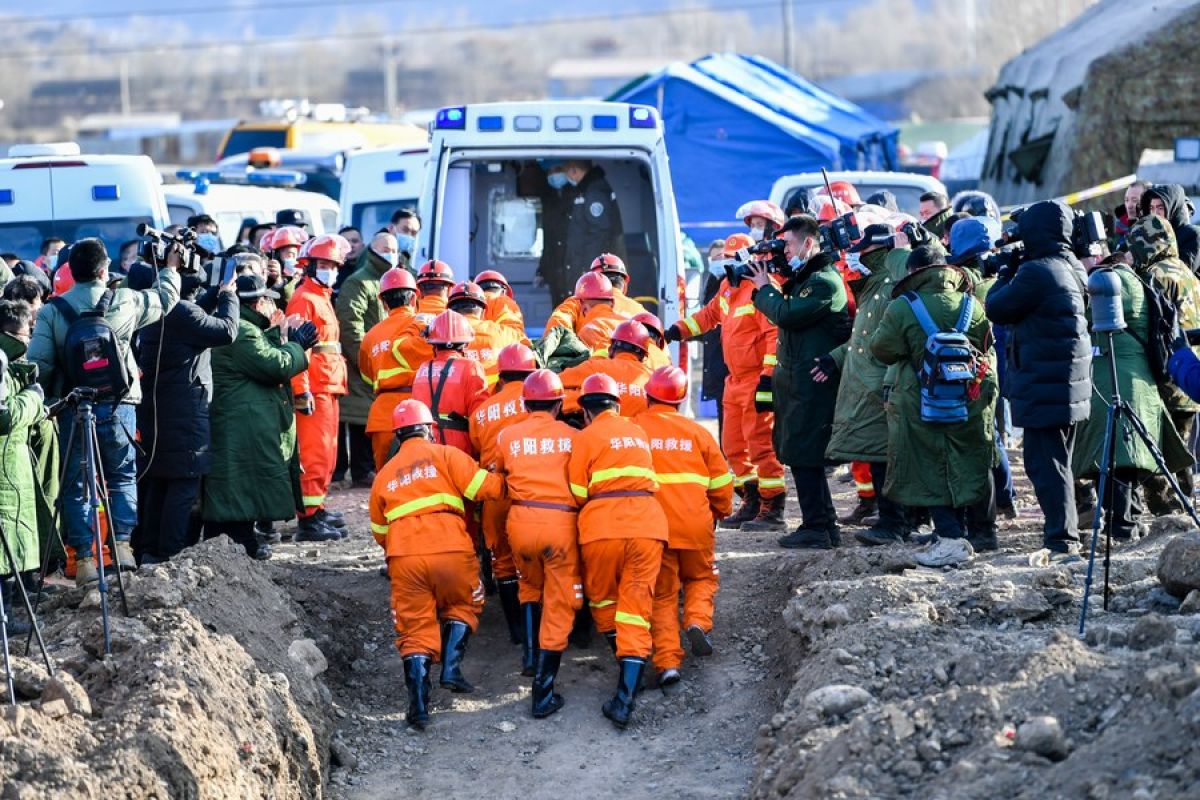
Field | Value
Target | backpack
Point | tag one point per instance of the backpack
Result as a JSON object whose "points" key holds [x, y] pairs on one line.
{"points": [[1164, 317], [91, 353], [948, 366]]}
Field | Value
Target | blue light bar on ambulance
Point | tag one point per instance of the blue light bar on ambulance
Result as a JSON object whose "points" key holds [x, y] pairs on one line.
{"points": [[394, 176], [568, 123], [604, 122], [6, 197], [490, 124], [527, 123], [642, 117], [453, 118], [276, 177], [106, 192]]}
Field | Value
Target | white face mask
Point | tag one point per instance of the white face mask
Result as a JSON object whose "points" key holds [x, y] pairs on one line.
{"points": [[391, 258], [716, 266], [757, 234], [289, 266], [326, 276], [854, 262]]}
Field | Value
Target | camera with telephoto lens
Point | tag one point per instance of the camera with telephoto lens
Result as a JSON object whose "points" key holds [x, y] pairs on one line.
{"points": [[840, 234], [1087, 231], [738, 267], [158, 244]]}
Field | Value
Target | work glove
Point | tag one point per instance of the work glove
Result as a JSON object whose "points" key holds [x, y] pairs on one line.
{"points": [[304, 404], [826, 369], [304, 335], [672, 334], [764, 395]]}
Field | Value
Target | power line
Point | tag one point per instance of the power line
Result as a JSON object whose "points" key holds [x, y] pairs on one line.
{"points": [[193, 11]]}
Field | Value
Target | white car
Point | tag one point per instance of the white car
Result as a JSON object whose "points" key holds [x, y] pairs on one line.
{"points": [[906, 186], [378, 182], [229, 205], [51, 190]]}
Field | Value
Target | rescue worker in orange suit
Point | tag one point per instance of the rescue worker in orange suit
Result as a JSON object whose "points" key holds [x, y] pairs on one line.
{"points": [[490, 337], [569, 313], [626, 365], [533, 456], [316, 390], [498, 412], [748, 340], [658, 356], [417, 506], [622, 533], [501, 307], [389, 356], [434, 280], [599, 320], [692, 476], [452, 385]]}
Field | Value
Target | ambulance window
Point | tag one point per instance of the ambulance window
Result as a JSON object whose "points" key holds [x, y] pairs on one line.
{"points": [[516, 228], [22, 238]]}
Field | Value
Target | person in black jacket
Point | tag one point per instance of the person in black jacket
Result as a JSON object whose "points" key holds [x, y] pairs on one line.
{"points": [[173, 356], [1170, 201], [1049, 359]]}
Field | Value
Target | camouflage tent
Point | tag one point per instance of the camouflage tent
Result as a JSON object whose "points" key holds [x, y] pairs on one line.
{"points": [[1078, 108]]}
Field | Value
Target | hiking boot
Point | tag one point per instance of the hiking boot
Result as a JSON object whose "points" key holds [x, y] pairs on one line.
{"points": [[531, 613], [984, 542], [266, 534], [311, 529], [878, 536], [747, 511], [807, 539], [946, 553], [455, 635], [125, 558], [699, 640], [1047, 557], [620, 707], [866, 508], [545, 701], [668, 677], [259, 551], [770, 514], [416, 680], [510, 604], [86, 572]]}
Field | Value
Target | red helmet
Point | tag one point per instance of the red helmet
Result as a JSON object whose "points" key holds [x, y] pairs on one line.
{"points": [[653, 324], [844, 191], [327, 247], [542, 384], [492, 276], [608, 263], [279, 238], [450, 328], [736, 242], [516, 358], [409, 413], [63, 280], [667, 385], [634, 334], [396, 278], [468, 291], [593, 286], [435, 272], [599, 384], [831, 209], [764, 209]]}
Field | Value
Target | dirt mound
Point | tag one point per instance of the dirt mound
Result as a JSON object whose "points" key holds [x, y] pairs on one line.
{"points": [[211, 691], [972, 683]]}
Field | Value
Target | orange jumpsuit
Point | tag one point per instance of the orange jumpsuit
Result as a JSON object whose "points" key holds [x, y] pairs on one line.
{"points": [[504, 310], [533, 456], [388, 359], [490, 338], [693, 477], [569, 311], [748, 340], [325, 379], [596, 328], [622, 528], [624, 368], [498, 412], [431, 305], [417, 504], [463, 387]]}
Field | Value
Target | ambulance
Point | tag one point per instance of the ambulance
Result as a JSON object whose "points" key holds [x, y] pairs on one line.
{"points": [[474, 217], [52, 190], [377, 182]]}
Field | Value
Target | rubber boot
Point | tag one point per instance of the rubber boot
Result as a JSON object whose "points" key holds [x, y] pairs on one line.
{"points": [[620, 707], [581, 631], [531, 613], [416, 678], [770, 514], [455, 636], [311, 529], [337, 523], [545, 701], [611, 638], [748, 510], [510, 603]]}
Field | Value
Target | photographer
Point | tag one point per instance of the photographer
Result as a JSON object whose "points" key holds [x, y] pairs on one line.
{"points": [[1049, 361], [124, 311], [811, 312], [176, 380]]}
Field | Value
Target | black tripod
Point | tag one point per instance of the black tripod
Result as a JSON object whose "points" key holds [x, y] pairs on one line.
{"points": [[35, 629]]}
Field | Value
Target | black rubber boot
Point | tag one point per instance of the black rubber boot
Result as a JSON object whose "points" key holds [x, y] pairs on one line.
{"points": [[531, 614], [611, 638], [510, 603], [312, 529], [416, 679], [455, 636], [545, 701], [334, 519], [581, 631], [751, 503], [620, 707], [770, 515]]}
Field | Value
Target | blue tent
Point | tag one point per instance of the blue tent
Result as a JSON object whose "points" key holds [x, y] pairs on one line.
{"points": [[734, 124]]}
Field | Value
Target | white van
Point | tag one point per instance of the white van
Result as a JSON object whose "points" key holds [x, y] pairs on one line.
{"points": [[474, 218], [378, 182], [230, 204], [50, 190], [906, 186]]}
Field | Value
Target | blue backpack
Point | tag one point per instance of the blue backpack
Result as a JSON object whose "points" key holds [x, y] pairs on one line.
{"points": [[948, 366]]}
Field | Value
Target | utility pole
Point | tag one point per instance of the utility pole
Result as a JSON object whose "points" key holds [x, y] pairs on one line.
{"points": [[126, 100], [390, 100], [788, 62]]}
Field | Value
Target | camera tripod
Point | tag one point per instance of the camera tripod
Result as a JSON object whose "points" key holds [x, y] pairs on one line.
{"points": [[1120, 416], [35, 629]]}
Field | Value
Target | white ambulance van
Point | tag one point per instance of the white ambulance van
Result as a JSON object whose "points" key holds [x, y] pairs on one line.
{"points": [[378, 182], [475, 219], [51, 190]]}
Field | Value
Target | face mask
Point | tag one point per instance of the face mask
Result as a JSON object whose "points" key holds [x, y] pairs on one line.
{"points": [[854, 262], [757, 234], [391, 258], [557, 180], [326, 276], [210, 242], [406, 243], [289, 266], [716, 267]]}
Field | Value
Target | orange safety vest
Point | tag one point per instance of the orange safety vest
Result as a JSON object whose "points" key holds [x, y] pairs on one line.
{"points": [[326, 373], [388, 359]]}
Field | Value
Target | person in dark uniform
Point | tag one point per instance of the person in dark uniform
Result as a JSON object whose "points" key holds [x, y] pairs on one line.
{"points": [[580, 220]]}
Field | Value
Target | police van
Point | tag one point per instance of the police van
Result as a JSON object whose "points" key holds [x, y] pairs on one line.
{"points": [[379, 181], [231, 204], [477, 218], [51, 190]]}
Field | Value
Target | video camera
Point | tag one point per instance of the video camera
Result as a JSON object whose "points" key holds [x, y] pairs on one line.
{"points": [[158, 244], [1087, 231], [738, 268], [840, 234]]}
